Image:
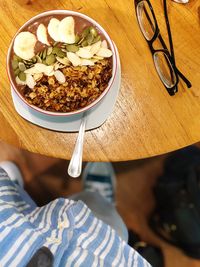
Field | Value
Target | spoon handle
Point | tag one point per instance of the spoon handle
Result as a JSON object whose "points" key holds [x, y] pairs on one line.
{"points": [[75, 165]]}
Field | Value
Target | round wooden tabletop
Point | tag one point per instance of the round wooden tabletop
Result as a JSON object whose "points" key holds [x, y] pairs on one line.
{"points": [[146, 121]]}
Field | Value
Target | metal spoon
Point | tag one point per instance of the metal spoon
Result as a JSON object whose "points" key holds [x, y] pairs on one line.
{"points": [[75, 165]]}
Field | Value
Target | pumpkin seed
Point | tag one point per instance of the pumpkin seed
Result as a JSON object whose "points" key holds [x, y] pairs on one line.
{"points": [[55, 44], [85, 32], [22, 76], [15, 57], [44, 54], [64, 50], [90, 38], [60, 53], [49, 51], [34, 59], [84, 43], [17, 71], [22, 66], [40, 54], [14, 64], [93, 31], [50, 59], [39, 60], [55, 50], [81, 40], [72, 48], [77, 38], [96, 39]]}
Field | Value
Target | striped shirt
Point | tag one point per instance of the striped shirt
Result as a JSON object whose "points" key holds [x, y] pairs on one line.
{"points": [[68, 228]]}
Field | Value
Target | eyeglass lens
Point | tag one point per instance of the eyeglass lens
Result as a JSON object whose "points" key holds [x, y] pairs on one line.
{"points": [[164, 69], [146, 20]]}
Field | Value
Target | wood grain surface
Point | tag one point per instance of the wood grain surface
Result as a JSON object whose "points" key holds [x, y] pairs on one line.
{"points": [[146, 121]]}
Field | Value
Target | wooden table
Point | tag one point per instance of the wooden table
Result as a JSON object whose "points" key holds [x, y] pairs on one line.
{"points": [[146, 121]]}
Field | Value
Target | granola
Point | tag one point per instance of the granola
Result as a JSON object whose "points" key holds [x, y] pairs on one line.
{"points": [[82, 86]]}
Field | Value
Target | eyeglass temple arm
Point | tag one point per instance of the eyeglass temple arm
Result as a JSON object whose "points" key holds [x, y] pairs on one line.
{"points": [[171, 45]]}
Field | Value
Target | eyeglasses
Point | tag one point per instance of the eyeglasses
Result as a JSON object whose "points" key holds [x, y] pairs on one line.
{"points": [[164, 59]]}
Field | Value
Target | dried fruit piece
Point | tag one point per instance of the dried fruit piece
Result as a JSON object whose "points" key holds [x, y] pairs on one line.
{"points": [[42, 34], [24, 45], [74, 59], [60, 77], [66, 30], [53, 29]]}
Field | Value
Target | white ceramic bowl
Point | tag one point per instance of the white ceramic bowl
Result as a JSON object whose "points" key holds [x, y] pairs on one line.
{"points": [[100, 29]]}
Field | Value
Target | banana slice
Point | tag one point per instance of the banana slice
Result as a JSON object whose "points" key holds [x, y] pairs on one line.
{"points": [[66, 30], [24, 45], [53, 29], [42, 34]]}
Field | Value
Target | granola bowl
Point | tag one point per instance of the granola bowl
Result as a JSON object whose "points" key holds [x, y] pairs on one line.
{"points": [[61, 63]]}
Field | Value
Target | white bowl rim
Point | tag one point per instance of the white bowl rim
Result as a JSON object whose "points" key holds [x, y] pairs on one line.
{"points": [[114, 70]]}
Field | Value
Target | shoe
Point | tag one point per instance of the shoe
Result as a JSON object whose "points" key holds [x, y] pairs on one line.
{"points": [[13, 172], [150, 252], [176, 217], [100, 177]]}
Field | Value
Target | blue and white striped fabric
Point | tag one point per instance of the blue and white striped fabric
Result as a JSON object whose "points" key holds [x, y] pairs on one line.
{"points": [[68, 228]]}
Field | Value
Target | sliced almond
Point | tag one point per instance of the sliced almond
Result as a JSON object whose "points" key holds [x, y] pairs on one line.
{"points": [[104, 44], [53, 29], [32, 70], [87, 62], [66, 30], [42, 34], [104, 52], [30, 81], [95, 47], [51, 73], [97, 57], [65, 61], [37, 76], [74, 59], [60, 77], [84, 53]]}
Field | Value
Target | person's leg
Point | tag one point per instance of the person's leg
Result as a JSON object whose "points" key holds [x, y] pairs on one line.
{"points": [[99, 186], [15, 176]]}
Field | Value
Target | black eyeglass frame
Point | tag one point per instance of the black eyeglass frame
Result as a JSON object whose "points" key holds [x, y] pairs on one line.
{"points": [[171, 90]]}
